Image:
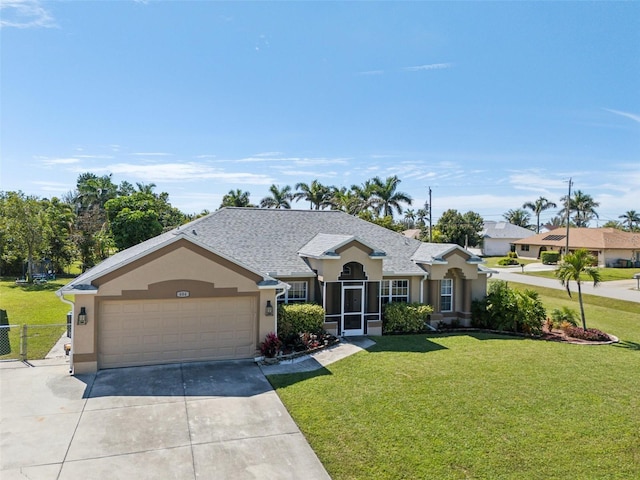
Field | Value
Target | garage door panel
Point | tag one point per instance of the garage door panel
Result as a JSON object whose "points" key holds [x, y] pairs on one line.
{"points": [[146, 332]]}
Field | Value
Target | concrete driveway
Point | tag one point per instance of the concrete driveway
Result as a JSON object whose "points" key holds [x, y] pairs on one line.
{"points": [[217, 420]]}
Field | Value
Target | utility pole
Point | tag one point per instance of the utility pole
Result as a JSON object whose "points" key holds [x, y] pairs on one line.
{"points": [[566, 250], [430, 210]]}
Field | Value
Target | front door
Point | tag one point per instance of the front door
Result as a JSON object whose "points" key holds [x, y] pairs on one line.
{"points": [[353, 310]]}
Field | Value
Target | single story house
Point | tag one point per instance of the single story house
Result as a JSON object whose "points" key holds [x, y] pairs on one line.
{"points": [[612, 247], [208, 289], [498, 237]]}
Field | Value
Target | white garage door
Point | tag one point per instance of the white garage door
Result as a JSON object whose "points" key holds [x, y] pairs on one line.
{"points": [[147, 332]]}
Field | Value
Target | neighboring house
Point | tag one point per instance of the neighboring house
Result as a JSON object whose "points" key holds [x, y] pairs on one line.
{"points": [[207, 290], [497, 237], [612, 247]]}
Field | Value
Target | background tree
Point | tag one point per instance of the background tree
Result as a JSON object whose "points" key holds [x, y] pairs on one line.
{"points": [[537, 207], [613, 224], [25, 223], [631, 219], [236, 198], [573, 267], [461, 229], [409, 219], [345, 200], [385, 198], [518, 217], [279, 198], [59, 247], [133, 219], [582, 206], [318, 195]]}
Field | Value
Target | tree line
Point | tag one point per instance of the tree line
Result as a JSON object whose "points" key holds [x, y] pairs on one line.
{"points": [[99, 217]]}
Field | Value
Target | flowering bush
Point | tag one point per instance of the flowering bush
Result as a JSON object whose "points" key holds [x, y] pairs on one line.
{"points": [[591, 334], [271, 345]]}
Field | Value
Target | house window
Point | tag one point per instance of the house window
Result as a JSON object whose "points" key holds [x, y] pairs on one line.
{"points": [[297, 293], [446, 295], [394, 291], [524, 248]]}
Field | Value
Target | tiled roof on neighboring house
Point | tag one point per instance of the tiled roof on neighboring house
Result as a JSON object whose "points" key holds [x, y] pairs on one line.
{"points": [[271, 241], [504, 230], [589, 238]]}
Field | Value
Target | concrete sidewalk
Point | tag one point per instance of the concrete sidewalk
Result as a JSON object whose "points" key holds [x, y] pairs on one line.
{"points": [[213, 420], [619, 289]]}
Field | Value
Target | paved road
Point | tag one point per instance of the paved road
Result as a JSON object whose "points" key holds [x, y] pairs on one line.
{"points": [[619, 289]]}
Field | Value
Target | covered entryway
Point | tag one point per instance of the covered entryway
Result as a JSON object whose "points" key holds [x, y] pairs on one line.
{"points": [[353, 310], [147, 332]]}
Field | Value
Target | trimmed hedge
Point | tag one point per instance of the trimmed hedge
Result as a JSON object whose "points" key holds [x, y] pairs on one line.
{"points": [[297, 318], [402, 317], [549, 257]]}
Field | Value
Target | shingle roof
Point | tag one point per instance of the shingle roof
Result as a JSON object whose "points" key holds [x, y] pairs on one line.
{"points": [[504, 230], [268, 241], [590, 238]]}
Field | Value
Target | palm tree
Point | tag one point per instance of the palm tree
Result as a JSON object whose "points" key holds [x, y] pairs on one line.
{"points": [[146, 187], [280, 198], [345, 200], [630, 217], [537, 207], [316, 194], [410, 218], [364, 193], [236, 198], [584, 207], [573, 267], [385, 198], [518, 217]]}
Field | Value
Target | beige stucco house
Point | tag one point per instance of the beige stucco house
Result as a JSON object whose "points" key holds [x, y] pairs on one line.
{"points": [[208, 290], [612, 247]]}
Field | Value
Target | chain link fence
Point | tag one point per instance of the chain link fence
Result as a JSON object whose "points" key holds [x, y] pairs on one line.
{"points": [[30, 342]]}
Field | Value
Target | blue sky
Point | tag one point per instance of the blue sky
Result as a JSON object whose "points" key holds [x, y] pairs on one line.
{"points": [[489, 104]]}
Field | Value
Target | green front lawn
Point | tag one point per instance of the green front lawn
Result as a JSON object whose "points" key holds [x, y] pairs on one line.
{"points": [[607, 274], [476, 405], [33, 305], [493, 262]]}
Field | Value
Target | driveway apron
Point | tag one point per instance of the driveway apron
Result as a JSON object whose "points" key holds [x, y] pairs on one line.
{"points": [[214, 420]]}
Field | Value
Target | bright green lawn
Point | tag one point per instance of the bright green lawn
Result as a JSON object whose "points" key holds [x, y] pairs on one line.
{"points": [[607, 274], [475, 405], [33, 305], [493, 262]]}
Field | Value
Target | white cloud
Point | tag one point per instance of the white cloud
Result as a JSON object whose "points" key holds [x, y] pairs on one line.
{"points": [[431, 66], [632, 116], [181, 172], [50, 162], [25, 14], [151, 154], [51, 186]]}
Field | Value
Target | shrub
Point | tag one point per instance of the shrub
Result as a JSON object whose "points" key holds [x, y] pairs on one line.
{"points": [[549, 257], [509, 310], [297, 318], [402, 317], [271, 345], [591, 334], [564, 315], [507, 261], [512, 255]]}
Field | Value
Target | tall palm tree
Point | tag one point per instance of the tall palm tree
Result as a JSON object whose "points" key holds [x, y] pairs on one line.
{"points": [[518, 217], [345, 200], [573, 267], [280, 198], [365, 194], [316, 194], [630, 218], [584, 207], [236, 198], [386, 198], [410, 218], [537, 207]]}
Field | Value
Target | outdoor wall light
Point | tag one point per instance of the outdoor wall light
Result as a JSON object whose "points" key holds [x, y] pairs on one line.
{"points": [[82, 316], [268, 310]]}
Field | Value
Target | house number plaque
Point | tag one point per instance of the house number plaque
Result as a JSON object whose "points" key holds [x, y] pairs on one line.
{"points": [[182, 294]]}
